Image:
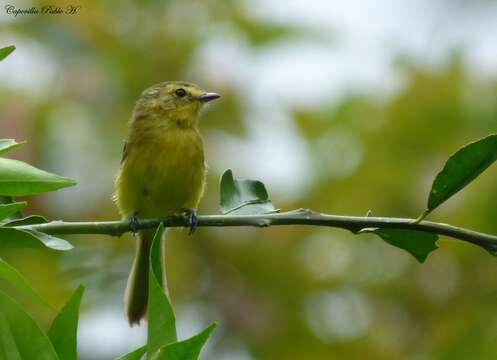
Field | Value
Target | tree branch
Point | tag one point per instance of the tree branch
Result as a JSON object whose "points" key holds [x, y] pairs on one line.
{"points": [[297, 217]]}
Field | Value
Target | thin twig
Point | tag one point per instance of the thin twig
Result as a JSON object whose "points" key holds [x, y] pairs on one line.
{"points": [[296, 217]]}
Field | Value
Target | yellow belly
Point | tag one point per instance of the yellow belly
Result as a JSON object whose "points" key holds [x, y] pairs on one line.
{"points": [[161, 176]]}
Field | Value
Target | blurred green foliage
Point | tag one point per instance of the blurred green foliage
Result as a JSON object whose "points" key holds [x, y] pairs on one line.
{"points": [[281, 293]]}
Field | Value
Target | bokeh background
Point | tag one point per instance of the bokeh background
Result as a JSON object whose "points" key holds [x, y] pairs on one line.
{"points": [[339, 106]]}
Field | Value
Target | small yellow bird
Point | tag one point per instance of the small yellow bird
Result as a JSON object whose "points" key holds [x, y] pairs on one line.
{"points": [[162, 171]]}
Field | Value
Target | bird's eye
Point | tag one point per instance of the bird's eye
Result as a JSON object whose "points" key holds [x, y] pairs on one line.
{"points": [[180, 92]]}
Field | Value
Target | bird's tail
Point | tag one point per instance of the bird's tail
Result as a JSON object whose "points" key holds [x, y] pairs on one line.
{"points": [[136, 295]]}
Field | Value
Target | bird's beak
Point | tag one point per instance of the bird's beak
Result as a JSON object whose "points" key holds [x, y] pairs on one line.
{"points": [[208, 96]]}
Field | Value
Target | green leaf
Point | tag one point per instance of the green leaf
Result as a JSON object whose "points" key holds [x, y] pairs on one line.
{"points": [[7, 210], [21, 335], [188, 349], [63, 332], [28, 220], [8, 348], [10, 274], [417, 243], [244, 197], [9, 144], [18, 178], [8, 200], [6, 51], [461, 168], [135, 354], [161, 320], [23, 238]]}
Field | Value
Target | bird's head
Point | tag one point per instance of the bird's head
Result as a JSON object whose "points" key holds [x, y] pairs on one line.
{"points": [[173, 101]]}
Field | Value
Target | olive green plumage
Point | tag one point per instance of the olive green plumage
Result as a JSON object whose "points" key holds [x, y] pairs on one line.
{"points": [[162, 170]]}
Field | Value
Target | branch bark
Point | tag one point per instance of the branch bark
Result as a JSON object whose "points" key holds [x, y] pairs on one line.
{"points": [[355, 224]]}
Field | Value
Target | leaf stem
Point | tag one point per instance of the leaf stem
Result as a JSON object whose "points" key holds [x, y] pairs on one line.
{"points": [[296, 217]]}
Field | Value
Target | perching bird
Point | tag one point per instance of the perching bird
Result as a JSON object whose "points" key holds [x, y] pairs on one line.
{"points": [[162, 171]]}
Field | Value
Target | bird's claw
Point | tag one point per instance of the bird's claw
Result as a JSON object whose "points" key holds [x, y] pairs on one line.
{"points": [[191, 219], [134, 223]]}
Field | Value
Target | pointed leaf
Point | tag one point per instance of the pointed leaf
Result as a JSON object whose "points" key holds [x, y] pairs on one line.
{"points": [[18, 178], [243, 197], [161, 320], [9, 144], [462, 168], [28, 220], [6, 51], [25, 334], [8, 200], [63, 332], [24, 238], [135, 354], [7, 210], [10, 274], [188, 349], [417, 243], [8, 347]]}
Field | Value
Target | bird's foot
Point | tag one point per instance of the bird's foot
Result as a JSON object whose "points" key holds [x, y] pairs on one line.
{"points": [[191, 219], [134, 223]]}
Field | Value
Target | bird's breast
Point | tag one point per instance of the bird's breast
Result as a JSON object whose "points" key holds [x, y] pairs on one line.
{"points": [[166, 172]]}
